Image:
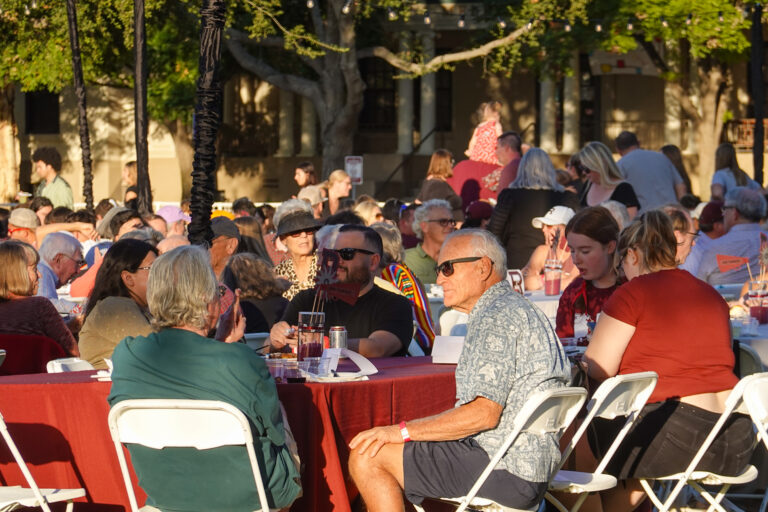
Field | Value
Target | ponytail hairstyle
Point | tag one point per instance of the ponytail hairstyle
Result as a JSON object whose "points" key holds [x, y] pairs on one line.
{"points": [[725, 158], [652, 235]]}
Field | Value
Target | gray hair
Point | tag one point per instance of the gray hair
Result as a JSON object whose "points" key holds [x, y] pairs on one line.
{"points": [[325, 237], [422, 212], [749, 203], [290, 206], [59, 243], [392, 241], [484, 244], [618, 212], [181, 286], [536, 172]]}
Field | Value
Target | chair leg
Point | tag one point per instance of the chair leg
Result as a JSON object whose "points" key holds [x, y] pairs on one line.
{"points": [[70, 505]]}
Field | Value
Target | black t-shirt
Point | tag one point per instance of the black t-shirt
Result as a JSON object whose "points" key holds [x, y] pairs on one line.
{"points": [[623, 193], [262, 314], [377, 310]]}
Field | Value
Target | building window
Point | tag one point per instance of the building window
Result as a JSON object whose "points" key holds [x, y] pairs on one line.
{"points": [[379, 105], [42, 112]]}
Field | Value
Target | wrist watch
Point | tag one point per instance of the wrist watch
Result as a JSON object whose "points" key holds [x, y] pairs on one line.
{"points": [[404, 432]]}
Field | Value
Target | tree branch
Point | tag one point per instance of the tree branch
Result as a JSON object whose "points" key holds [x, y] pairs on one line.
{"points": [[437, 62], [272, 42], [295, 84]]}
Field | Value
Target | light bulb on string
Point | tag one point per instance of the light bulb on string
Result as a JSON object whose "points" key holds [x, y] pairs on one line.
{"points": [[33, 4], [598, 28], [310, 4], [720, 16], [664, 22], [689, 19], [529, 25], [630, 26], [462, 21], [501, 22], [427, 18], [347, 7], [391, 14], [26, 10], [567, 27]]}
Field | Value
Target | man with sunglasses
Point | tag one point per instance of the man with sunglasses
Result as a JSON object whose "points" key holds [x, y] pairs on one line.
{"points": [[510, 352], [379, 324], [432, 222]]}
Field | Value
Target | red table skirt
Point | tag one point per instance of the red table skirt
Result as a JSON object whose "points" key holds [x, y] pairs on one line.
{"points": [[59, 422]]}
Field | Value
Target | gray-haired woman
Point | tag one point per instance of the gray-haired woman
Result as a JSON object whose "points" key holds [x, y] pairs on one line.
{"points": [[533, 192]]}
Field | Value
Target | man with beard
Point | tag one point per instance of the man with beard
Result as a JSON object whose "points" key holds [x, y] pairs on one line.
{"points": [[379, 324]]}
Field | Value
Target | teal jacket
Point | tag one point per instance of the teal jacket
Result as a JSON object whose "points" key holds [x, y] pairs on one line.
{"points": [[175, 363]]}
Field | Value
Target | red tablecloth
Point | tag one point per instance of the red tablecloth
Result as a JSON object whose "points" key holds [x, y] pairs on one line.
{"points": [[59, 422]]}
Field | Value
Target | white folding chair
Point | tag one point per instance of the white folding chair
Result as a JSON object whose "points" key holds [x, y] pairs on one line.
{"points": [[68, 364], [756, 400], [13, 497], [549, 411], [674, 484], [622, 395], [749, 360], [201, 424]]}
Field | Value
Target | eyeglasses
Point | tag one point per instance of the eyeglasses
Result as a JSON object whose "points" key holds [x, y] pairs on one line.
{"points": [[144, 268], [446, 267], [13, 230], [349, 252], [297, 234], [444, 223], [80, 262], [726, 208]]}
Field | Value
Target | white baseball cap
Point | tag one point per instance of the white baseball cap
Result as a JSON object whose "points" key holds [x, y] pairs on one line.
{"points": [[555, 216]]}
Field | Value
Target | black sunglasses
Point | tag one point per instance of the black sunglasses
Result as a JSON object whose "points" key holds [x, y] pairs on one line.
{"points": [[349, 252], [444, 223], [446, 267]]}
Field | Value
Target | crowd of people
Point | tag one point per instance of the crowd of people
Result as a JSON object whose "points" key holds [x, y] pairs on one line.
{"points": [[634, 246]]}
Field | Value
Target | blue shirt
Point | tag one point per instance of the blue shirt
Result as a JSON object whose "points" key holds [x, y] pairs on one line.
{"points": [[693, 260], [510, 352], [725, 178], [47, 286], [741, 240]]}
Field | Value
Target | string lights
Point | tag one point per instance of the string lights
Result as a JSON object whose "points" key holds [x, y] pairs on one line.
{"points": [[391, 14], [501, 23], [462, 22], [427, 18], [310, 4], [347, 7]]}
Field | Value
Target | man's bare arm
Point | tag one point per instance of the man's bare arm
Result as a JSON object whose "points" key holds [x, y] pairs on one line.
{"points": [[377, 344]]}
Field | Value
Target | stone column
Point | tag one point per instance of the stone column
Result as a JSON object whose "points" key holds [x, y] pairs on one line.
{"points": [[308, 128], [547, 140], [404, 109], [571, 128], [285, 124], [428, 99]]}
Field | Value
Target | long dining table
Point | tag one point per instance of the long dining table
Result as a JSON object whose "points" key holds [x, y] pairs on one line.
{"points": [[59, 422]]}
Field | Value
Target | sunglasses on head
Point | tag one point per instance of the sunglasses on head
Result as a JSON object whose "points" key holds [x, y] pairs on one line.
{"points": [[444, 223], [349, 252], [446, 267]]}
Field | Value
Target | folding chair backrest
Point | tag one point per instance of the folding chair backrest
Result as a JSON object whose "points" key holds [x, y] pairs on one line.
{"points": [[549, 411], [756, 400], [22, 465], [68, 364], [201, 424], [622, 395], [749, 361]]}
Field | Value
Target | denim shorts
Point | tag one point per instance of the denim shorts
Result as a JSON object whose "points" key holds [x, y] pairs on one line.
{"points": [[665, 438], [449, 469]]}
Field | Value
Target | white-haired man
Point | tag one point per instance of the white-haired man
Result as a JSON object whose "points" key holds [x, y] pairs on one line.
{"points": [[432, 222], [179, 361], [510, 352], [61, 257]]}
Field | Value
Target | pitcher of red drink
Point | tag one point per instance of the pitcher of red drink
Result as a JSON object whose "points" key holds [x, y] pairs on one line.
{"points": [[310, 335], [553, 271]]}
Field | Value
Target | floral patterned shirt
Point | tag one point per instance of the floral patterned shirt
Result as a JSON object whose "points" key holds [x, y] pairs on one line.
{"points": [[288, 271], [511, 352]]}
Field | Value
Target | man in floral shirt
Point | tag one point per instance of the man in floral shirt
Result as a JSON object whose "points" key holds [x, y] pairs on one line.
{"points": [[509, 353]]}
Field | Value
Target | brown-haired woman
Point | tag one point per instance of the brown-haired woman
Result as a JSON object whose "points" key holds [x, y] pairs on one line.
{"points": [[728, 174], [261, 292], [682, 224], [667, 321], [436, 187], [21, 312], [592, 236]]}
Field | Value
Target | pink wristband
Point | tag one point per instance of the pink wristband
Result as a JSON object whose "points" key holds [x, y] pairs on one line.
{"points": [[404, 432]]}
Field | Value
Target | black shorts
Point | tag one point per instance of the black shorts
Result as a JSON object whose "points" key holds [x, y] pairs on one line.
{"points": [[449, 469], [665, 438]]}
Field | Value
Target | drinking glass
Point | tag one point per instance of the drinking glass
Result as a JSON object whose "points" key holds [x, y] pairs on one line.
{"points": [[553, 271], [310, 342]]}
